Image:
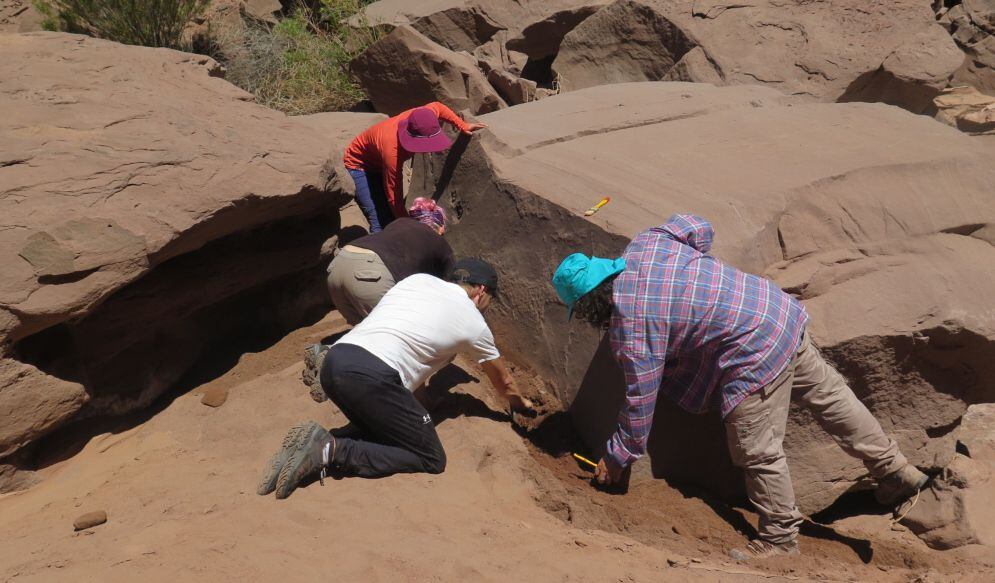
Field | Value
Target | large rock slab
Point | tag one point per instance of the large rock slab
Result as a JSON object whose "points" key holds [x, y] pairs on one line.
{"points": [[622, 42], [966, 109], [972, 26], [19, 16], [892, 52], [958, 508], [542, 38], [144, 202], [458, 24], [406, 69], [878, 220]]}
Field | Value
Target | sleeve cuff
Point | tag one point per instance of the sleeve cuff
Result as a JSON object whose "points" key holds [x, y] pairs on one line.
{"points": [[619, 454]]}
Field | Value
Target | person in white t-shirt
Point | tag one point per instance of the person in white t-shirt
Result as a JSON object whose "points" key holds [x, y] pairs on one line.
{"points": [[372, 372]]}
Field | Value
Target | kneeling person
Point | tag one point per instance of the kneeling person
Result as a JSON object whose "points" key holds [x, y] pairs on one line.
{"points": [[366, 268], [371, 373]]}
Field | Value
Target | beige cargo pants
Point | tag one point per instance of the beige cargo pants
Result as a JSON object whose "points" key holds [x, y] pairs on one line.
{"points": [[357, 280], [755, 431]]}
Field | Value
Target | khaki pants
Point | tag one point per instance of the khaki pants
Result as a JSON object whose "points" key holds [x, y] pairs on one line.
{"points": [[755, 432], [356, 282]]}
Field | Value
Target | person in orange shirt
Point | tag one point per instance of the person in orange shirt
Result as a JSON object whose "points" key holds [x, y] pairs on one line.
{"points": [[375, 157]]}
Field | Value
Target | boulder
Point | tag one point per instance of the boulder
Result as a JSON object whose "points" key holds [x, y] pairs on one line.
{"points": [[512, 88], [824, 51], [542, 39], [406, 69], [878, 220], [150, 212], [339, 128], [967, 109], [976, 434], [972, 26], [264, 10], [958, 507], [458, 25], [624, 41], [19, 16], [911, 75], [495, 55]]}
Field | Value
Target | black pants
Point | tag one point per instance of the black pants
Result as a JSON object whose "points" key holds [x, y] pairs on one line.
{"points": [[397, 433]]}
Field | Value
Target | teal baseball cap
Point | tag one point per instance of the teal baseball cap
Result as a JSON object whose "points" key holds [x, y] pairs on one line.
{"points": [[578, 274]]}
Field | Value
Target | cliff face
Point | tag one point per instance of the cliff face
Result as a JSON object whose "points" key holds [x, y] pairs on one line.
{"points": [[878, 220]]}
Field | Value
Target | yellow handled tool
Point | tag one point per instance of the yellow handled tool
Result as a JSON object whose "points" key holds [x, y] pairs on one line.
{"points": [[585, 460], [598, 206]]}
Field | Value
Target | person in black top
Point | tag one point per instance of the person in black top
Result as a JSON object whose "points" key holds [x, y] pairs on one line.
{"points": [[364, 270]]}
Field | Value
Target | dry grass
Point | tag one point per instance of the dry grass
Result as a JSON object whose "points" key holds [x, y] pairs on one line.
{"points": [[149, 23], [300, 65]]}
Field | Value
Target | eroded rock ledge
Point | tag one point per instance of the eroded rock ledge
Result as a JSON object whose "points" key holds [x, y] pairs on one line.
{"points": [[879, 220], [149, 211]]}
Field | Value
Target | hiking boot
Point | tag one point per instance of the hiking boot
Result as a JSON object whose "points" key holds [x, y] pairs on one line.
{"points": [[271, 474], [761, 549], [314, 355], [897, 487], [310, 454]]}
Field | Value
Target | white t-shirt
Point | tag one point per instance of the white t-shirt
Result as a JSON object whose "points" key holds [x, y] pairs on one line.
{"points": [[420, 325]]}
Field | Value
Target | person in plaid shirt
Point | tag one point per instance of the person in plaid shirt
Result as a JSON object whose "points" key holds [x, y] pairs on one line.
{"points": [[710, 336]]}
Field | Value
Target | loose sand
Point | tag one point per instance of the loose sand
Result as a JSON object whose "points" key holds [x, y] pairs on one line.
{"points": [[179, 486]]}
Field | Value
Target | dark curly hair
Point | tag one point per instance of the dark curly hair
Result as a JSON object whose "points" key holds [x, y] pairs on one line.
{"points": [[595, 307]]}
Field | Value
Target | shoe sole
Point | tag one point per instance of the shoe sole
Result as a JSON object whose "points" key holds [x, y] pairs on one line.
{"points": [[308, 432], [310, 375], [291, 442]]}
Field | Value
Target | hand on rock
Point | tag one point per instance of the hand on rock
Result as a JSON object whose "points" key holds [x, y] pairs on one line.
{"points": [[474, 127]]}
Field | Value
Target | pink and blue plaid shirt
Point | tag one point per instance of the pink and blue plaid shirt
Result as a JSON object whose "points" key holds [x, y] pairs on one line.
{"points": [[705, 334]]}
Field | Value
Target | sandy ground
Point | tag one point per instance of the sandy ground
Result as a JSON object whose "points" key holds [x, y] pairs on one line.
{"points": [[179, 489]]}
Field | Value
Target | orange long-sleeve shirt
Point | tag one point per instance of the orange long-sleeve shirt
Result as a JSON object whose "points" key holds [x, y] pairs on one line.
{"points": [[377, 150]]}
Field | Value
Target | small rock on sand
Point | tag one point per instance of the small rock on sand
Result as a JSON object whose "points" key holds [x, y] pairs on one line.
{"points": [[89, 520], [215, 396]]}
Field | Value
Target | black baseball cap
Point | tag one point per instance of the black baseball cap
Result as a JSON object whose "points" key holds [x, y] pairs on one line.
{"points": [[475, 272]]}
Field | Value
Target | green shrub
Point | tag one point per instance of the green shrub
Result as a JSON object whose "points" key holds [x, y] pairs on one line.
{"points": [[300, 65], [150, 23]]}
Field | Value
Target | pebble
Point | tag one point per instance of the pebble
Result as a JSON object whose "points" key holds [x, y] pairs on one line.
{"points": [[89, 520], [215, 396]]}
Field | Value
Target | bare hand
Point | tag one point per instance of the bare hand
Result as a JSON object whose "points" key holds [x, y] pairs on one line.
{"points": [[473, 127], [520, 403], [607, 472]]}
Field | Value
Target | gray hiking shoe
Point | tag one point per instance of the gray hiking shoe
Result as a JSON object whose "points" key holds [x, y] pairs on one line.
{"points": [[314, 355], [311, 454], [899, 486], [291, 442], [761, 549]]}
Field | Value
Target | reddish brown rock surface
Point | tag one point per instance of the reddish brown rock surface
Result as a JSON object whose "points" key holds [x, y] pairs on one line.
{"points": [[891, 51], [406, 69], [972, 25], [19, 16], [124, 211], [880, 221]]}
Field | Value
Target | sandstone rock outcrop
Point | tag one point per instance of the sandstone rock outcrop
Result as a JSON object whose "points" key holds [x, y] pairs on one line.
{"points": [[542, 39], [972, 25], [893, 52], [880, 221], [19, 16], [966, 109], [958, 507], [406, 69], [137, 231], [624, 41]]}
